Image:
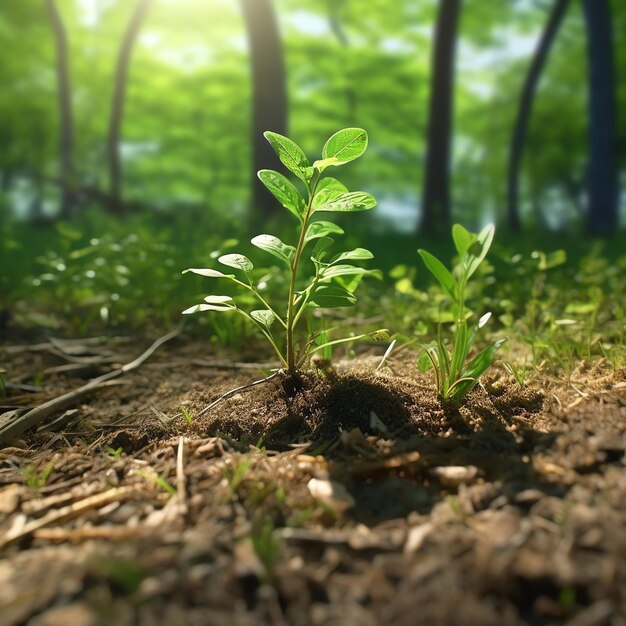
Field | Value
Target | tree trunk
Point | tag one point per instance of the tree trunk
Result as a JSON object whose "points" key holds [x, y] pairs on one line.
{"points": [[269, 99], [527, 97], [436, 196], [66, 124], [117, 106], [602, 177]]}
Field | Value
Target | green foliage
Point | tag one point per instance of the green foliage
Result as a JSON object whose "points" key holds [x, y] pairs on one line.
{"points": [[159, 481], [456, 374], [266, 546], [34, 479], [114, 453], [188, 415], [334, 278]]}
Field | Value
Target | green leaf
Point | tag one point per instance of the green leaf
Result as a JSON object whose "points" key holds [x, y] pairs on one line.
{"points": [[238, 261], [263, 317], [208, 272], [483, 360], [345, 145], [440, 272], [217, 299], [352, 201], [332, 297], [424, 362], [291, 155], [349, 282], [328, 183], [322, 164], [478, 365], [462, 238], [320, 248], [207, 307], [284, 191], [342, 270], [326, 350], [358, 254], [478, 250], [324, 196], [273, 245], [321, 229]]}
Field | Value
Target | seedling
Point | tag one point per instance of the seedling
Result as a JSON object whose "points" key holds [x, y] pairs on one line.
{"points": [[114, 452], [159, 481], [334, 279], [187, 414], [455, 375], [36, 480]]}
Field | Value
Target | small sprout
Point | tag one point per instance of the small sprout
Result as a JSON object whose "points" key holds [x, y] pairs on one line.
{"points": [[266, 547], [456, 374], [36, 480], [334, 279], [518, 371], [187, 415], [161, 482], [236, 477], [114, 452]]}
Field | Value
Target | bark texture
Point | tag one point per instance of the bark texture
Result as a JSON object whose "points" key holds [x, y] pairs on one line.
{"points": [[436, 211], [529, 89], [602, 177], [117, 106], [269, 95]]}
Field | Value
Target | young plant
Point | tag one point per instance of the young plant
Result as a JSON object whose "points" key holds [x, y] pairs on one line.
{"points": [[334, 279], [455, 374]]}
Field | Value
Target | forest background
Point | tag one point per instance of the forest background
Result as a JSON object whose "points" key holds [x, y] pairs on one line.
{"points": [[131, 133]]}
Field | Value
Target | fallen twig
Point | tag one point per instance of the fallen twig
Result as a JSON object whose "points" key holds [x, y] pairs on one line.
{"points": [[12, 425], [232, 365], [181, 492], [68, 512], [232, 392]]}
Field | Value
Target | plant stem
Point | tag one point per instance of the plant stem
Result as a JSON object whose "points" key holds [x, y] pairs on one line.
{"points": [[291, 316]]}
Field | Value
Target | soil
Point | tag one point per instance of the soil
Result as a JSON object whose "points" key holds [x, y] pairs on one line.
{"points": [[350, 496]]}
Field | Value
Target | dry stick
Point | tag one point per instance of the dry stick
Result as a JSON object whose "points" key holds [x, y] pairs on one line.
{"points": [[180, 474], [68, 512], [12, 425], [232, 392], [233, 365]]}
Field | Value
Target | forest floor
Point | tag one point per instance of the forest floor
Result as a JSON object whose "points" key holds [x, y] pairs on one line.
{"points": [[356, 500]]}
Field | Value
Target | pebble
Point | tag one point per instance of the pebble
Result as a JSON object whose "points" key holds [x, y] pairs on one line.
{"points": [[455, 475]]}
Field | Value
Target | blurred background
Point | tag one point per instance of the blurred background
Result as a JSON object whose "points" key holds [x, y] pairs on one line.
{"points": [[131, 132]]}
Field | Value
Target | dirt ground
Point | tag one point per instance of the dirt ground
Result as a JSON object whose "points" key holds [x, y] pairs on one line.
{"points": [[350, 497]]}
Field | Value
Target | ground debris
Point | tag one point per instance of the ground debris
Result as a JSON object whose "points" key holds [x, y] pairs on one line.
{"points": [[274, 509]]}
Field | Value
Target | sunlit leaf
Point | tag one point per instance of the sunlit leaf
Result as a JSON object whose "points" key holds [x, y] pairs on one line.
{"points": [[342, 270], [273, 245], [345, 145], [321, 247], [291, 155], [207, 307], [332, 297], [238, 261], [321, 229], [440, 272], [284, 191], [352, 201], [462, 238], [217, 299], [358, 254], [263, 317], [478, 249], [211, 273]]}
